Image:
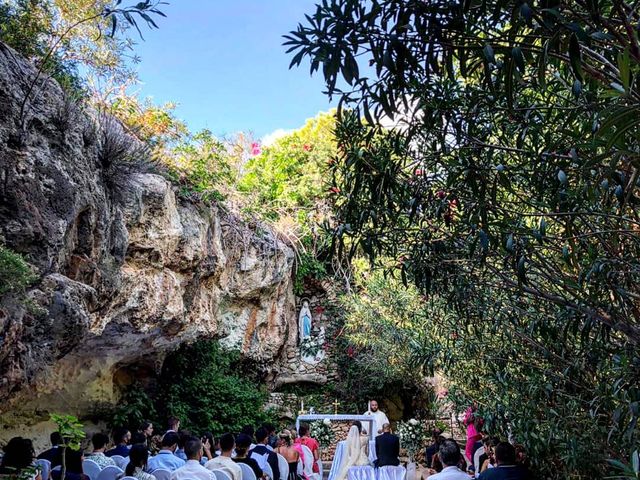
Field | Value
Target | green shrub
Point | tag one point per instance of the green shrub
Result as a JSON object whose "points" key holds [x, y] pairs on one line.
{"points": [[15, 273], [308, 266], [134, 407], [206, 387]]}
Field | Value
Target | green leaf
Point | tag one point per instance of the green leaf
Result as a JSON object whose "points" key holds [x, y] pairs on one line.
{"points": [[624, 65], [562, 177], [518, 57], [575, 56], [542, 228], [487, 51]]}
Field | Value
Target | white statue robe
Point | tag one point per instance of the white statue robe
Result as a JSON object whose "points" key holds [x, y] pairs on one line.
{"points": [[380, 420]]}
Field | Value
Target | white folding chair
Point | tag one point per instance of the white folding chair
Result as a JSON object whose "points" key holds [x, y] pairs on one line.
{"points": [[221, 475], [247, 472], [268, 470], [476, 460], [45, 467], [308, 461], [91, 469], [161, 474], [320, 469], [283, 466], [390, 472], [120, 461], [361, 473], [110, 472]]}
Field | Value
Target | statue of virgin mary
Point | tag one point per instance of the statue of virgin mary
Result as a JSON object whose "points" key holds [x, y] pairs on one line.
{"points": [[304, 321]]}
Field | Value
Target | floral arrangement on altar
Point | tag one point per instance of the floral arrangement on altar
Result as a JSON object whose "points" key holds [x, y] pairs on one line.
{"points": [[412, 435], [322, 432]]}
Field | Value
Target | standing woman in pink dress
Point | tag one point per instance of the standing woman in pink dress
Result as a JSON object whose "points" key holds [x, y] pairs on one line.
{"points": [[474, 424]]}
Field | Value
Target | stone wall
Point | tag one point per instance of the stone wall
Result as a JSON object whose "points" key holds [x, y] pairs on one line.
{"points": [[294, 369], [128, 269]]}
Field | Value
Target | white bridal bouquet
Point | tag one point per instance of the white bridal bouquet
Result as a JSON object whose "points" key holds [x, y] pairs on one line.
{"points": [[412, 435], [322, 432]]}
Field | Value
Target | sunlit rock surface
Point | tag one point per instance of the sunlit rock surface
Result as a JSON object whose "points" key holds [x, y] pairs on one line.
{"points": [[128, 269]]}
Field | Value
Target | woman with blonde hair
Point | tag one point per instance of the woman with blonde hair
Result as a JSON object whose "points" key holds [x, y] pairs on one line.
{"points": [[290, 454]]}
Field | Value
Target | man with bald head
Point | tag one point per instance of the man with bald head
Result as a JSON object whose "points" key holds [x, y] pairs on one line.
{"points": [[387, 448], [380, 418]]}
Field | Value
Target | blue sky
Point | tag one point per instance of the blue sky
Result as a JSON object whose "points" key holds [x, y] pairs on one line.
{"points": [[223, 62]]}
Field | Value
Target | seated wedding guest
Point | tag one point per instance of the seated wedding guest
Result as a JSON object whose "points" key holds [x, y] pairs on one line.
{"points": [[224, 460], [138, 438], [53, 454], [174, 425], [436, 463], [121, 437], [138, 457], [290, 453], [506, 468], [183, 436], [73, 460], [100, 441], [18, 459], [521, 456], [271, 430], [432, 449], [262, 454], [488, 460], [192, 470], [146, 428], [449, 456], [435, 459], [250, 431], [387, 448], [165, 458], [305, 439], [208, 447], [242, 448]]}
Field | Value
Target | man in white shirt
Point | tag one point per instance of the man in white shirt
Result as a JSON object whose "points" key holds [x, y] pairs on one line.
{"points": [[224, 461], [379, 416], [192, 469], [450, 456]]}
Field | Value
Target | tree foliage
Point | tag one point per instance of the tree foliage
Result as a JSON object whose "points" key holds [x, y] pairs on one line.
{"points": [[284, 183], [65, 36], [207, 388], [506, 190]]}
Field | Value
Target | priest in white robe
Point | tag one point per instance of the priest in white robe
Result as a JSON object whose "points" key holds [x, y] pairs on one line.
{"points": [[379, 415]]}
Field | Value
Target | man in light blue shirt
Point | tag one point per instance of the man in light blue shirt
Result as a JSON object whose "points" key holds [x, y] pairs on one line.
{"points": [[165, 458], [450, 454]]}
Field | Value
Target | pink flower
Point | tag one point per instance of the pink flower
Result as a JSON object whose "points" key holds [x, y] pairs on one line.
{"points": [[255, 149], [306, 147]]}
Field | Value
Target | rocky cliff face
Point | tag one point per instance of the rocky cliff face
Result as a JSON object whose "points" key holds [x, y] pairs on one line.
{"points": [[127, 268]]}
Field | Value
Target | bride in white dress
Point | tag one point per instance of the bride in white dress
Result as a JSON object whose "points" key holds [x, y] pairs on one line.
{"points": [[356, 452]]}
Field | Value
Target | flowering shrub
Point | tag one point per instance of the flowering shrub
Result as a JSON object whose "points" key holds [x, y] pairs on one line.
{"points": [[412, 435], [322, 432]]}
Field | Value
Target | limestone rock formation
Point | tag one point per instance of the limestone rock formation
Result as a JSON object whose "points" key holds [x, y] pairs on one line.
{"points": [[127, 268]]}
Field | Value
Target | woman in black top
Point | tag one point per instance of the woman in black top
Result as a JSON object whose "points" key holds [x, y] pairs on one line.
{"points": [[243, 442]]}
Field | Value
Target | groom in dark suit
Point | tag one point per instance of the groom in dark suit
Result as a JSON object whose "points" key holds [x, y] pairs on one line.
{"points": [[387, 448]]}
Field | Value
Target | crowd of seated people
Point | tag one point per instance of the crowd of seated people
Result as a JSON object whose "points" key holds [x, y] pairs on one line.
{"points": [[185, 456], [498, 460]]}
